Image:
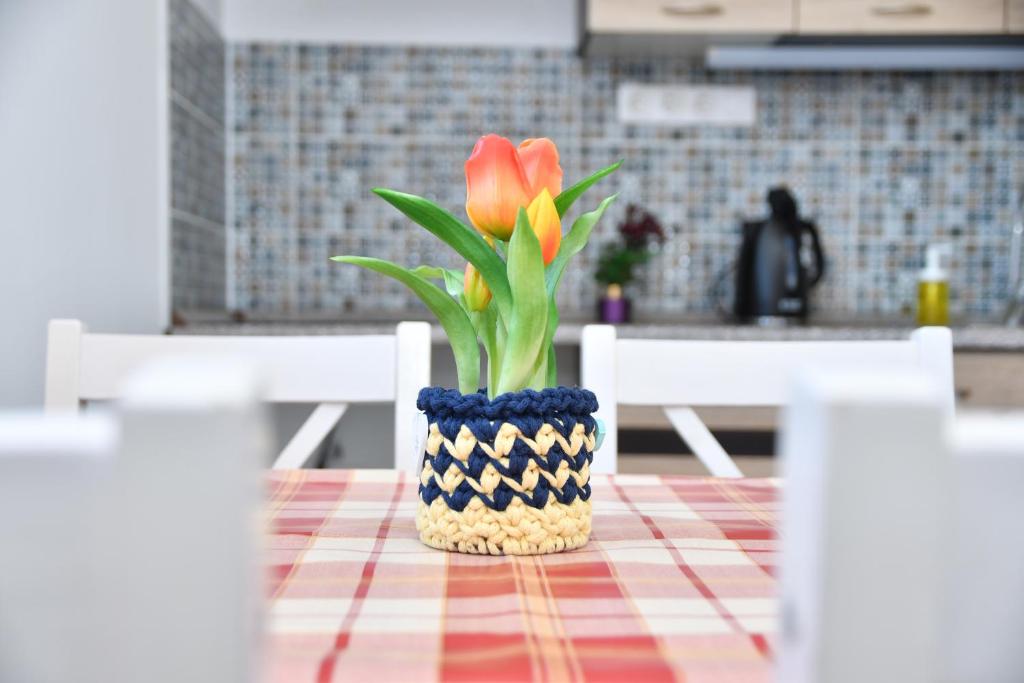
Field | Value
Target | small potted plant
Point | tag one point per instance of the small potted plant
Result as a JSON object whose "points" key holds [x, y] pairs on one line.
{"points": [[506, 468], [615, 267]]}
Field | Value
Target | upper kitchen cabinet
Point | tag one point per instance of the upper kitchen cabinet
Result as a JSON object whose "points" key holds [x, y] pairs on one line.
{"points": [[690, 16], [690, 26], [1015, 16], [902, 17], [676, 27]]}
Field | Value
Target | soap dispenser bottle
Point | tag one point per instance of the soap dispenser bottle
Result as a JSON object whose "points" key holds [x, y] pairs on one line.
{"points": [[933, 287]]}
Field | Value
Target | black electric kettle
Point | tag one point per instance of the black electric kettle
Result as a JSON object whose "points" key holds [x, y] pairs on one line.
{"points": [[780, 261]]}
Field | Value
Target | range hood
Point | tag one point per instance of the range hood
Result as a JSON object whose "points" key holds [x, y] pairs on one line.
{"points": [[853, 57]]}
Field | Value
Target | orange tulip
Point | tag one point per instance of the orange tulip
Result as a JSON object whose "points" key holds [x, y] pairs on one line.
{"points": [[540, 161], [477, 293], [544, 220], [496, 186], [500, 179]]}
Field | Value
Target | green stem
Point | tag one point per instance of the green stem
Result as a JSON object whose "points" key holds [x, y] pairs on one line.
{"points": [[486, 323], [494, 364]]}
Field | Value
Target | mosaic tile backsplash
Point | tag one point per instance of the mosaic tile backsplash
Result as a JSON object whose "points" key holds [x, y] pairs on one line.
{"points": [[198, 155], [884, 162]]}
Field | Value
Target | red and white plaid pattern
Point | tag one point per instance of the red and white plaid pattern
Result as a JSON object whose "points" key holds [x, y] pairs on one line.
{"points": [[676, 584]]}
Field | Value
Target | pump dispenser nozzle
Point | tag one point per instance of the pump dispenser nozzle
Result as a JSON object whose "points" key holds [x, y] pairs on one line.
{"points": [[933, 286], [934, 264]]}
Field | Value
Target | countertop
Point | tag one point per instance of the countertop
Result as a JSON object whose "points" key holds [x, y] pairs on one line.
{"points": [[966, 337]]}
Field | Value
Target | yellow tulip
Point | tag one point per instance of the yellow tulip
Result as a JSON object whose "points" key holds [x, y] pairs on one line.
{"points": [[546, 224]]}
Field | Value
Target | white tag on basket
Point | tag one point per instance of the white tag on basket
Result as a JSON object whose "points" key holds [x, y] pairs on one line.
{"points": [[420, 426]]}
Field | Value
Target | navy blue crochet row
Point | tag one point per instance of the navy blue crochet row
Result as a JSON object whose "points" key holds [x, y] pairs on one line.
{"points": [[504, 494], [561, 407], [518, 459]]}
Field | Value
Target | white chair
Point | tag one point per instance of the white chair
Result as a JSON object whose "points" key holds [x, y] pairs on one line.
{"points": [[983, 614], [131, 528], [679, 375], [53, 474], [181, 543], [864, 528], [892, 508], [331, 371]]}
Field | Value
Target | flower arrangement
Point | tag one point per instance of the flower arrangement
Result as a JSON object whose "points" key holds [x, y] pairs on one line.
{"points": [[618, 259], [509, 472], [504, 299]]}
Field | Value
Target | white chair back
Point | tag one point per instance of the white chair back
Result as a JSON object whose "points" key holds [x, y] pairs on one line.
{"points": [[679, 375], [331, 371], [865, 465], [984, 556], [54, 472], [185, 558], [123, 533], [901, 555]]}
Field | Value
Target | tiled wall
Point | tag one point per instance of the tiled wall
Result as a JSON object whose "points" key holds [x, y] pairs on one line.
{"points": [[884, 162], [198, 195]]}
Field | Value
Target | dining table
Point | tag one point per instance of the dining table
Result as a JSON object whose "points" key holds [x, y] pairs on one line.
{"points": [[677, 583]]}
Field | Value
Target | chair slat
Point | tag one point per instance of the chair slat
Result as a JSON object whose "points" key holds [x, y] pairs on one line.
{"points": [[722, 373], [297, 369]]}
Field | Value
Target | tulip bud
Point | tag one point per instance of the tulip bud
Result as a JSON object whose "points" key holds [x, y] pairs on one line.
{"points": [[476, 291], [546, 224]]}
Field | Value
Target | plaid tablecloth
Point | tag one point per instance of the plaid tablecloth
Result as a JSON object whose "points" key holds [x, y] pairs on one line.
{"points": [[676, 584]]}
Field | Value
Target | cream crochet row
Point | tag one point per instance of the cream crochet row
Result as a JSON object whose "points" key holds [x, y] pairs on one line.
{"points": [[518, 530], [540, 443]]}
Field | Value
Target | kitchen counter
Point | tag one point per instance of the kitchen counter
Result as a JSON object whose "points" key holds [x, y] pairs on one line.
{"points": [[971, 337]]}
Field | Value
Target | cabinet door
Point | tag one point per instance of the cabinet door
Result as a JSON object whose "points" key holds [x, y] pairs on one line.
{"points": [[1015, 16], [901, 16], [690, 16], [989, 380]]}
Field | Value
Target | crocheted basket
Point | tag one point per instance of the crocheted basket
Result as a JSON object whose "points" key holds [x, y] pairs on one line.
{"points": [[508, 476]]}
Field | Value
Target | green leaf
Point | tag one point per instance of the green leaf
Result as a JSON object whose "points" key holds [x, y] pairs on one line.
{"points": [[494, 368], [573, 243], [452, 278], [569, 196], [542, 372], [460, 237], [539, 374], [457, 326], [529, 307], [552, 379], [545, 371]]}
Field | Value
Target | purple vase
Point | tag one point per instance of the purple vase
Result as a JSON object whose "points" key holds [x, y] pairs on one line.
{"points": [[613, 310]]}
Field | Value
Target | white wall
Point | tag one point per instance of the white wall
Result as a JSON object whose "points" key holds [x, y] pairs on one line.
{"points": [[550, 23], [83, 175], [213, 9]]}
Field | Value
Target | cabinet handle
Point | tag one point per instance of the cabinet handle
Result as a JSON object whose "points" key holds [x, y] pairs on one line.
{"points": [[692, 9], [902, 9]]}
